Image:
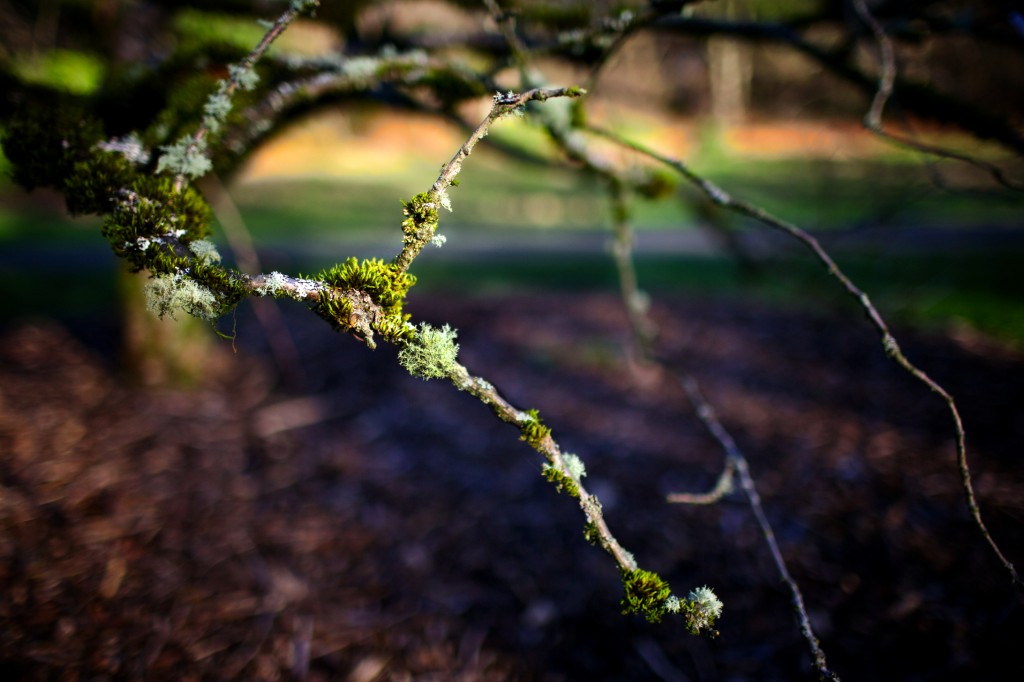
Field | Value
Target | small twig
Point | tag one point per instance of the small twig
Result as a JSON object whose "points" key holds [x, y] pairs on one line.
{"points": [[283, 21], [507, 25], [889, 343], [486, 393], [738, 462], [723, 486], [502, 105]]}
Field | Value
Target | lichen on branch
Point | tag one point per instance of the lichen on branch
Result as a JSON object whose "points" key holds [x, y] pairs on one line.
{"points": [[431, 353]]}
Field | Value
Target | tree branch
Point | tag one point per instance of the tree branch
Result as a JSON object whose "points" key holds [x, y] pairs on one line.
{"points": [[889, 343]]}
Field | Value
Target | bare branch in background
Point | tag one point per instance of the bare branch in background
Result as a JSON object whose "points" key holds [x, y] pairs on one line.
{"points": [[889, 343], [736, 462], [886, 83]]}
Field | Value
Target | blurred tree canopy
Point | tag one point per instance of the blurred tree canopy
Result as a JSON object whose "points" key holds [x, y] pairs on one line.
{"points": [[124, 106], [139, 64]]}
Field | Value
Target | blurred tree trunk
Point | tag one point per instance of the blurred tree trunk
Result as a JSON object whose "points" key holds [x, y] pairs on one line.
{"points": [[166, 352], [730, 67]]}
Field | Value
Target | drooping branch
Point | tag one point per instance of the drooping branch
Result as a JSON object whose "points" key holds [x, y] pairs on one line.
{"points": [[643, 329], [889, 343]]}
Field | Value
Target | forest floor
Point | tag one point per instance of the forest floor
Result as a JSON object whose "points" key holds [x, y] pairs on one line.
{"points": [[364, 525]]}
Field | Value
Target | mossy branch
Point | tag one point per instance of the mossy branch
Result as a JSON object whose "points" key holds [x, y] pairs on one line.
{"points": [[565, 471], [187, 157], [421, 212]]}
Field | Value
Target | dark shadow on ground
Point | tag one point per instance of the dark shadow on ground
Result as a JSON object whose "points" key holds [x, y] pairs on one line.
{"points": [[375, 526]]}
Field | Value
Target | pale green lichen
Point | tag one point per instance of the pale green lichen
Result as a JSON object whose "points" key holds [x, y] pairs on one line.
{"points": [[166, 294], [703, 609], [244, 76], [271, 285], [360, 70], [574, 466], [444, 199], [216, 109], [205, 251], [431, 353], [185, 157]]}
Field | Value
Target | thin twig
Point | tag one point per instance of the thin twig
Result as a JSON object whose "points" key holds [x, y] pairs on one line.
{"points": [[486, 393], [634, 299], [502, 105], [723, 486]]}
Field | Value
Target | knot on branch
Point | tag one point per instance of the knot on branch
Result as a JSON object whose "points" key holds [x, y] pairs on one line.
{"points": [[366, 297]]}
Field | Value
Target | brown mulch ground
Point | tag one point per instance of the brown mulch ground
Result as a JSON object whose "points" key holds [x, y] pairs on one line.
{"points": [[372, 526]]}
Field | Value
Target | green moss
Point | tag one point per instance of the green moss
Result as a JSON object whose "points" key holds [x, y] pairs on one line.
{"points": [[146, 212], [421, 217], [647, 594], [337, 310], [591, 533], [533, 431], [385, 283], [92, 185], [561, 480], [396, 329]]}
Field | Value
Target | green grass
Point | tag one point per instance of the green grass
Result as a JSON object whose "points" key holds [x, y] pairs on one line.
{"points": [[497, 192], [78, 73], [822, 194], [981, 289]]}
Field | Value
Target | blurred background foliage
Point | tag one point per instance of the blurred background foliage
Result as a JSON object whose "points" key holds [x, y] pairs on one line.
{"points": [[936, 242]]}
